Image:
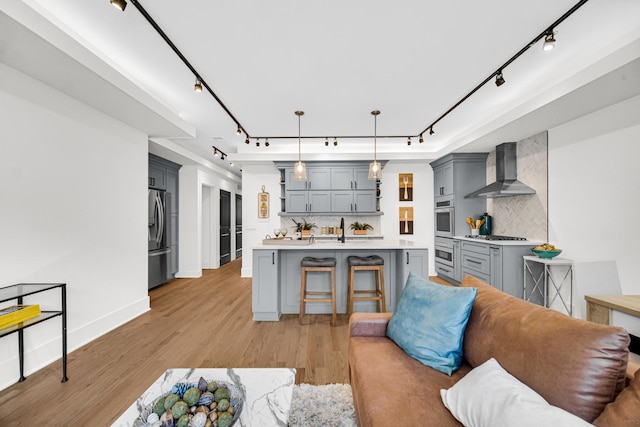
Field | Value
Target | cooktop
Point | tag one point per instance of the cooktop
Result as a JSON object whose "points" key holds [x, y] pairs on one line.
{"points": [[495, 237]]}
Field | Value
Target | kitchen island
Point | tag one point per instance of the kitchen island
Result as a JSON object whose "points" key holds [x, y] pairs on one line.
{"points": [[276, 274]]}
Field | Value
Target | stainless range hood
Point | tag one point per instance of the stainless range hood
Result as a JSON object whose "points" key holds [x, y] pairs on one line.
{"points": [[507, 183]]}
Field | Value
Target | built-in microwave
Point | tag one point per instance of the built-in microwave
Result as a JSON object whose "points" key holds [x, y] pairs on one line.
{"points": [[444, 252], [444, 218]]}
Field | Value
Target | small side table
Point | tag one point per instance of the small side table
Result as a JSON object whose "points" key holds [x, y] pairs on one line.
{"points": [[538, 279]]}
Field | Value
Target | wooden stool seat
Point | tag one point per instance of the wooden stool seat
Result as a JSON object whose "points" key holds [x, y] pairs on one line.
{"points": [[373, 263], [317, 264]]}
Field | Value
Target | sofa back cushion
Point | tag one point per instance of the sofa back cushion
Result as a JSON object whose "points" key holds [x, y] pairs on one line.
{"points": [[576, 365]]}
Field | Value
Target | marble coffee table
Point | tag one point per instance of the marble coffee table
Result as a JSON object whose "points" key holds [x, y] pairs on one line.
{"points": [[267, 393]]}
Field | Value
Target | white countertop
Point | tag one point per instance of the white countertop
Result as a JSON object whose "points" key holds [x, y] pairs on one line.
{"points": [[500, 242], [349, 244]]}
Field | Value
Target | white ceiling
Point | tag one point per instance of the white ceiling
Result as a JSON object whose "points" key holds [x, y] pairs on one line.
{"points": [[339, 60]]}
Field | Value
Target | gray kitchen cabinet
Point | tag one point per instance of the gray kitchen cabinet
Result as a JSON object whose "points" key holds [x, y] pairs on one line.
{"points": [[364, 201], [415, 260], [361, 179], [443, 180], [265, 297], [342, 178], [157, 175], [499, 265], [296, 201], [318, 178], [457, 268], [331, 188]]}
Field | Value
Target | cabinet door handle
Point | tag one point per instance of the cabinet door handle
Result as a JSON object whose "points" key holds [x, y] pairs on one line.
{"points": [[273, 258], [473, 261], [351, 207], [352, 185], [356, 206], [407, 257], [356, 185]]}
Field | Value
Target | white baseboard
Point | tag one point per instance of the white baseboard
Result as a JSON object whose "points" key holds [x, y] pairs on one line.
{"points": [[246, 272], [195, 274], [50, 351]]}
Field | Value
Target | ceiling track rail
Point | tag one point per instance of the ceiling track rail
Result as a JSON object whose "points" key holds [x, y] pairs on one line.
{"points": [[186, 62], [429, 129]]}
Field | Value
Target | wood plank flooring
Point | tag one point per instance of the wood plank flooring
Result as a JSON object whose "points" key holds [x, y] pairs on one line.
{"points": [[200, 323]]}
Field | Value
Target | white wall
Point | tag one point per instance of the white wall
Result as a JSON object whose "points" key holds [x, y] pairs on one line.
{"points": [[72, 209], [594, 194], [194, 182], [255, 229]]}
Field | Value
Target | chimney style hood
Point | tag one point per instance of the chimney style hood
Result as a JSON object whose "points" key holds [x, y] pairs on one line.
{"points": [[507, 183]]}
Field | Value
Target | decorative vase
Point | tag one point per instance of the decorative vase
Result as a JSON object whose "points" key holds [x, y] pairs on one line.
{"points": [[475, 231], [306, 232]]}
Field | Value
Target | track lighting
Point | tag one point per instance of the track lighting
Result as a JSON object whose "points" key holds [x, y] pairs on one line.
{"points": [[335, 142], [238, 131], [218, 153], [326, 142], [499, 79], [120, 4], [215, 152], [549, 41], [246, 141], [266, 142], [431, 132], [300, 169], [198, 86], [258, 142], [421, 139], [409, 141], [222, 157]]}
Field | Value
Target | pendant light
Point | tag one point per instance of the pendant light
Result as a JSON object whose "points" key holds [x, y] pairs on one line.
{"points": [[300, 169], [375, 171]]}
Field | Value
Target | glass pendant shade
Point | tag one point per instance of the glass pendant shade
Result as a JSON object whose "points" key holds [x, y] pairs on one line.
{"points": [[375, 171], [300, 171]]}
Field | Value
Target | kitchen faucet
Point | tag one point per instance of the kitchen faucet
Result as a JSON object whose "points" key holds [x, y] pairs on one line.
{"points": [[341, 238]]}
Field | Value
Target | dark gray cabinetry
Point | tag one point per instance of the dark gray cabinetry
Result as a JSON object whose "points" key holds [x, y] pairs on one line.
{"points": [[443, 180], [331, 188], [163, 175]]}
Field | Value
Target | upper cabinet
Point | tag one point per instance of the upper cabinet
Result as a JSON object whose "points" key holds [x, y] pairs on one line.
{"points": [[330, 188]]}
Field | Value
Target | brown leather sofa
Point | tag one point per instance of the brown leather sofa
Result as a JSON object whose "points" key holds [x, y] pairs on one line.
{"points": [[576, 365]]}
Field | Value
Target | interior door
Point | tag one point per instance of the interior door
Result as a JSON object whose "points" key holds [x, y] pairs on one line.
{"points": [[225, 227], [238, 225]]}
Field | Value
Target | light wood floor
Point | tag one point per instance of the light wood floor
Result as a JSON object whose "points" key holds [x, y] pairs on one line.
{"points": [[203, 322]]}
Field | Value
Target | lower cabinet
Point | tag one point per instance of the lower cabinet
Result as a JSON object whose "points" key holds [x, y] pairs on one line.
{"points": [[501, 266], [265, 292]]}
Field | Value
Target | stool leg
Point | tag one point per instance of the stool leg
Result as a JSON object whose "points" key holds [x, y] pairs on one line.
{"points": [[380, 281], [350, 286], [303, 291], [333, 297]]}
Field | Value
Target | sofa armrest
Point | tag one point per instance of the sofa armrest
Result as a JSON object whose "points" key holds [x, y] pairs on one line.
{"points": [[368, 324], [632, 368]]}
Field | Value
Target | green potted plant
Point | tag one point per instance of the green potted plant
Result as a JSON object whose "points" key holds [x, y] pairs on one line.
{"points": [[304, 227], [360, 227]]}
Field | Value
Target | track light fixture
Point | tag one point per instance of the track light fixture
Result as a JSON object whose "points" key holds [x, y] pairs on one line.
{"points": [[246, 141], [266, 142], [409, 140], [119, 4], [238, 131], [300, 169], [335, 142], [198, 86], [431, 132], [375, 171], [218, 152], [549, 41], [215, 152], [258, 142], [499, 79], [421, 139], [326, 142]]}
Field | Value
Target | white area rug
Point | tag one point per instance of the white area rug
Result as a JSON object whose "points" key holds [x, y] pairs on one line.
{"points": [[322, 405]]}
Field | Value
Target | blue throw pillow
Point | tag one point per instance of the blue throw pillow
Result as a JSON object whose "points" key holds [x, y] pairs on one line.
{"points": [[429, 322]]}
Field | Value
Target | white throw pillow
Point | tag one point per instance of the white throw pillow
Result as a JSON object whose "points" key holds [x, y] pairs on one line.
{"points": [[490, 396]]}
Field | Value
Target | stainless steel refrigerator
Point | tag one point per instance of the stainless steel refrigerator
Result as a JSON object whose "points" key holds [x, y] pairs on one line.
{"points": [[159, 237]]}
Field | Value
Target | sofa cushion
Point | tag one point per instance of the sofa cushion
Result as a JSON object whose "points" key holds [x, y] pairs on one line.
{"points": [[625, 411], [489, 396], [392, 389], [576, 365], [429, 322]]}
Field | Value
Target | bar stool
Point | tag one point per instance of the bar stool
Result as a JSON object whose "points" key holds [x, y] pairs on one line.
{"points": [[373, 263], [318, 264]]}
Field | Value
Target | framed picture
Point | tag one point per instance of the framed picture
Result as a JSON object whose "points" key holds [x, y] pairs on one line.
{"points": [[406, 220], [405, 187], [263, 204]]}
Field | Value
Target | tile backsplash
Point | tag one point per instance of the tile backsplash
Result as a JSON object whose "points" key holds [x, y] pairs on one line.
{"points": [[523, 216]]}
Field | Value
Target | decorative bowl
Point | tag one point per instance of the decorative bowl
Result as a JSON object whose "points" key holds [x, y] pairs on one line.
{"points": [[236, 401], [546, 254]]}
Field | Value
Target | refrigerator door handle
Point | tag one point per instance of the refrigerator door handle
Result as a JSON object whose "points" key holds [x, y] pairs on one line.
{"points": [[158, 253], [160, 219]]}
